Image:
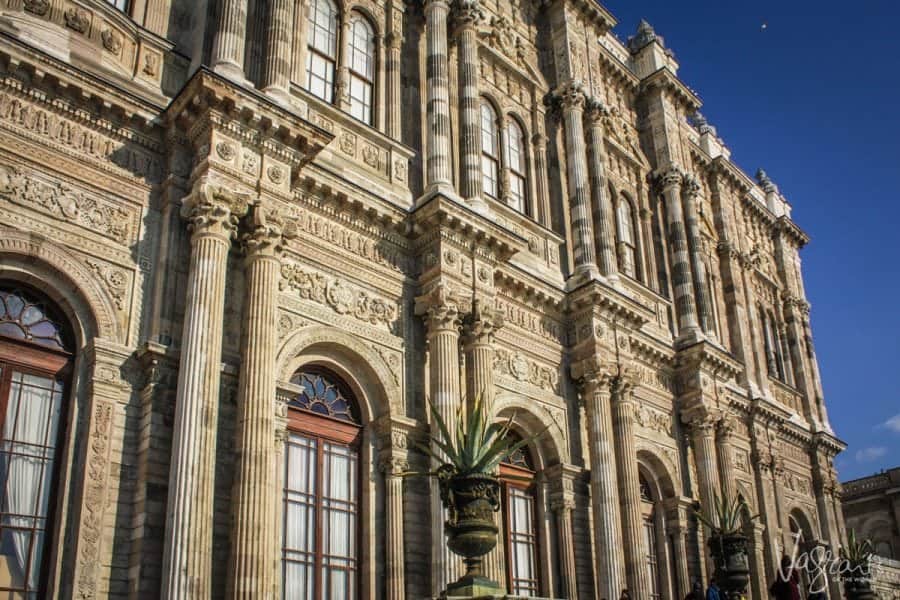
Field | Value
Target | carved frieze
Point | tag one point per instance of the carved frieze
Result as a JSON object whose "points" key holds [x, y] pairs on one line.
{"points": [[525, 370], [66, 203], [116, 280], [531, 321], [343, 298], [656, 420], [84, 141]]}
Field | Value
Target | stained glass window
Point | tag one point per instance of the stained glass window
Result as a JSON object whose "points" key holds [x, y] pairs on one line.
{"points": [[323, 394], [23, 316]]}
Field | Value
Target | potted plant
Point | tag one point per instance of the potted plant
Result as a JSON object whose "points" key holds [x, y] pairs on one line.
{"points": [[855, 564], [728, 544], [467, 474]]}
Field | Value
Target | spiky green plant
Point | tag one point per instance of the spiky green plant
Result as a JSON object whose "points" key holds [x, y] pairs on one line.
{"points": [[725, 518], [476, 445], [856, 554]]}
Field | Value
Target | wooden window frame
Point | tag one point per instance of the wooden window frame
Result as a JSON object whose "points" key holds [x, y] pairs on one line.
{"points": [[507, 473], [323, 429], [33, 359]]}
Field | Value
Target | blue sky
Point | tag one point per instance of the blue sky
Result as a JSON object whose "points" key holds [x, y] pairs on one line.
{"points": [[813, 98]]}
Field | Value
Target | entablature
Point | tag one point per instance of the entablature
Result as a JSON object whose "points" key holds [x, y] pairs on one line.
{"points": [[663, 79]]}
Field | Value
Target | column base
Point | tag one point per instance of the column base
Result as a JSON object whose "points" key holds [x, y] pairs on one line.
{"points": [[479, 205], [689, 337], [438, 189], [233, 72], [280, 95], [582, 275]]}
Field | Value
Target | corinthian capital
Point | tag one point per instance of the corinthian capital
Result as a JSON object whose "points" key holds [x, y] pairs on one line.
{"points": [[670, 177], [690, 186], [482, 323], [594, 374], [595, 111], [214, 210], [569, 96], [440, 309], [266, 231], [467, 13]]}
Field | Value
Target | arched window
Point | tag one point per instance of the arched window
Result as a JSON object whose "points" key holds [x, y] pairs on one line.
{"points": [[35, 362], [651, 540], [490, 155], [321, 53], [515, 162], [625, 236], [362, 68], [517, 475], [321, 490]]}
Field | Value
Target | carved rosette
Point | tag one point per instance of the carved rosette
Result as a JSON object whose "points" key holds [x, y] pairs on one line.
{"points": [[214, 210]]}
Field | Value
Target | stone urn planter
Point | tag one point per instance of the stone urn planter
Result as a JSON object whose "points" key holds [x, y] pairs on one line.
{"points": [[729, 553], [855, 565], [856, 588], [471, 501]]}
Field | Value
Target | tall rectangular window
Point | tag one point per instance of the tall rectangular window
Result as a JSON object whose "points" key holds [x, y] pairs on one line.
{"points": [[522, 542]]}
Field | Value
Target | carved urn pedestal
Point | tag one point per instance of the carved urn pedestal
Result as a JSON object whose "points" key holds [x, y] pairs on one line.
{"points": [[729, 553], [471, 501]]}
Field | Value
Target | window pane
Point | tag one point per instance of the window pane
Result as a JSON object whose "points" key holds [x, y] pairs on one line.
{"points": [[299, 543], [523, 544], [362, 48], [339, 512], [27, 454], [360, 99], [322, 25]]}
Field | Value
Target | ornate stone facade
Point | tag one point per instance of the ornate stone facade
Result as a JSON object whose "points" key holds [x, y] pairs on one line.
{"points": [[210, 220]]}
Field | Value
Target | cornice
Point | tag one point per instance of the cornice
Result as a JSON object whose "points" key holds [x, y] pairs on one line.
{"points": [[620, 70], [792, 230], [707, 357], [829, 442], [594, 295], [441, 212], [529, 289], [667, 81], [591, 10]]}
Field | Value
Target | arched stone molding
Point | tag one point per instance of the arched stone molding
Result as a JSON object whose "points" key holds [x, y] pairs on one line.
{"points": [[550, 446], [662, 469], [356, 363], [38, 261]]}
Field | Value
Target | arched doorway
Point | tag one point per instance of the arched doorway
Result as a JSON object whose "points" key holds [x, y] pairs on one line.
{"points": [[36, 359]]}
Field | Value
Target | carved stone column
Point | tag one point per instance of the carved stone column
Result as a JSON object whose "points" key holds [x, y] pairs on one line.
{"points": [[682, 281], [677, 531], [342, 76], [724, 443], [629, 488], [571, 100], [467, 15], [596, 395], [442, 321], [541, 187], [277, 65], [437, 89], [228, 43], [604, 235], [393, 465], [703, 433], [187, 557], [761, 460], [480, 327], [690, 190], [252, 541], [562, 508], [394, 93]]}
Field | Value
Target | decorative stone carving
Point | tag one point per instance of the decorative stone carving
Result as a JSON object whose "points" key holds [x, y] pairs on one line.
{"points": [[77, 19], [249, 163], [517, 366], [392, 360], [116, 280], [650, 418], [343, 298], [348, 143], [60, 200], [215, 208], [400, 170], [276, 174], [370, 155], [38, 7], [112, 40], [225, 151]]}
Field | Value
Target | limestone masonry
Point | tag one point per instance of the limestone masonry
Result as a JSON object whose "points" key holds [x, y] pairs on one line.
{"points": [[241, 241]]}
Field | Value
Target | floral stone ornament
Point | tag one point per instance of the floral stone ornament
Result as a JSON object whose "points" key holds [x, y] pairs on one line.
{"points": [[467, 475]]}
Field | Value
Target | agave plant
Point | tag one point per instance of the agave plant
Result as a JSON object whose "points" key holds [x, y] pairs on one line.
{"points": [[725, 519], [856, 555], [477, 446]]}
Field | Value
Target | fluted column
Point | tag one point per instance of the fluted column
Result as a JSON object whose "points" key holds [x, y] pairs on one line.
{"points": [[703, 433], [467, 15], [678, 532], [682, 281], [541, 187], [252, 541], [690, 190], [437, 87], [442, 323], [629, 489], [277, 65], [393, 86], [480, 327], [604, 492], [604, 235], [571, 100], [187, 557], [393, 466], [563, 508], [228, 44], [724, 443]]}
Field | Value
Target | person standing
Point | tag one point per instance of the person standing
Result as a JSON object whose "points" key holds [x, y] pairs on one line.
{"points": [[712, 592], [787, 582]]}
